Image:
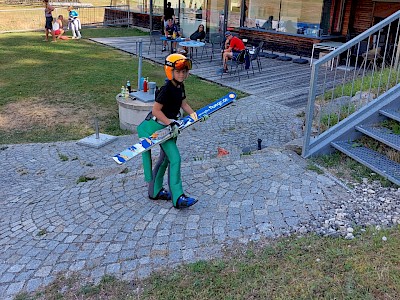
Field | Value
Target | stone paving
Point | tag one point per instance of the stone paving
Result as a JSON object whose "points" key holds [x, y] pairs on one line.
{"points": [[50, 222]]}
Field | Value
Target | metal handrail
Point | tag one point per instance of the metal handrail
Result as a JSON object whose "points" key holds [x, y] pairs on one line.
{"points": [[357, 39], [338, 79]]}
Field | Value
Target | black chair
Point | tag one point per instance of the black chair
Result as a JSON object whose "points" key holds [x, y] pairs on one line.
{"points": [[155, 36], [216, 42], [240, 61]]}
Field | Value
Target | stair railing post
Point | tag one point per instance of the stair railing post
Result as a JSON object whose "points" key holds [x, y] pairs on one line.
{"points": [[310, 109]]}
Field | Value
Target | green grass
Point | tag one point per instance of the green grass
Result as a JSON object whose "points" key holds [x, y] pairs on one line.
{"points": [[310, 267], [348, 169], [377, 81], [295, 268], [53, 91], [313, 167]]}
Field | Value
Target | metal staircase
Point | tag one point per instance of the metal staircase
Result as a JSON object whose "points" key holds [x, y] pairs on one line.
{"points": [[379, 163], [329, 131]]}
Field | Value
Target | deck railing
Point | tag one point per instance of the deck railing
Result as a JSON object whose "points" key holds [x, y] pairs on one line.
{"points": [[346, 79], [32, 19]]}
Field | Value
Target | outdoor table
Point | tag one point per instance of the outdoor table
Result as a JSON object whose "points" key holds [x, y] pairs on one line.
{"points": [[178, 39], [191, 44], [329, 46]]}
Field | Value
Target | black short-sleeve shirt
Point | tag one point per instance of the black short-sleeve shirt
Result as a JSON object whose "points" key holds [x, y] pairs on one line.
{"points": [[171, 97], [168, 13]]}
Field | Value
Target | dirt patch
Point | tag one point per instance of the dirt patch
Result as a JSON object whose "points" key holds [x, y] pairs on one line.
{"points": [[24, 115]]}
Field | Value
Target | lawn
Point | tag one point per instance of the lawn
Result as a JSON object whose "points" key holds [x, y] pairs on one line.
{"points": [[53, 91], [310, 267]]}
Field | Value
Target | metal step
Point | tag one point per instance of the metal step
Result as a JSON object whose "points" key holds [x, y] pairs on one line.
{"points": [[391, 113], [375, 161], [382, 134]]}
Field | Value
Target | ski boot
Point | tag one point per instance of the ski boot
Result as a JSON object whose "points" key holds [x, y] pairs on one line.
{"points": [[162, 195], [184, 201]]}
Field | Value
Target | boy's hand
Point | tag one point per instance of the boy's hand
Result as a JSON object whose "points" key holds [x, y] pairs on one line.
{"points": [[193, 115], [174, 129]]}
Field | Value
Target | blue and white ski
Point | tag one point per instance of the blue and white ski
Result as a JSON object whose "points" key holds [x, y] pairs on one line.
{"points": [[162, 135]]}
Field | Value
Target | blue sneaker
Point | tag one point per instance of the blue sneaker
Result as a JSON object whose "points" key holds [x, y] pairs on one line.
{"points": [[184, 201], [162, 195]]}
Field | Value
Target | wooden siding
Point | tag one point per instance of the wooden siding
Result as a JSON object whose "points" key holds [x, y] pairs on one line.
{"points": [[346, 18], [384, 9], [363, 16]]}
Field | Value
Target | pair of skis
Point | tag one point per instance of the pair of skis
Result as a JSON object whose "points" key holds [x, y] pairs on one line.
{"points": [[164, 134]]}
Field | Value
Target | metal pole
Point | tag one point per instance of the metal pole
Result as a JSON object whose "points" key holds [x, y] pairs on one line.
{"points": [[96, 127], [151, 17], [129, 15], [140, 62], [226, 9]]}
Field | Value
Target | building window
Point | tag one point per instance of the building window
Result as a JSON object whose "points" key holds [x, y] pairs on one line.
{"points": [[291, 16]]}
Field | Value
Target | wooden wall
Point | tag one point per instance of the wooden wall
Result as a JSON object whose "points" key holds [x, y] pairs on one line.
{"points": [[359, 14], [347, 17], [363, 16], [384, 9]]}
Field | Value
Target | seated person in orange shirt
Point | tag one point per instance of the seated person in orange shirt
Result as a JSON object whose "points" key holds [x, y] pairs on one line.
{"points": [[233, 46]]}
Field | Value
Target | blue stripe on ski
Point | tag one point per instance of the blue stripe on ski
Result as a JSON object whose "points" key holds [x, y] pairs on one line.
{"points": [[162, 135]]}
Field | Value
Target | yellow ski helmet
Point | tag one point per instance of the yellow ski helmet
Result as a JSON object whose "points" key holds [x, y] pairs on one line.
{"points": [[176, 62]]}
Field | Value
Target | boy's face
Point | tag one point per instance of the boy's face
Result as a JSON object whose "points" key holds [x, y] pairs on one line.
{"points": [[180, 75]]}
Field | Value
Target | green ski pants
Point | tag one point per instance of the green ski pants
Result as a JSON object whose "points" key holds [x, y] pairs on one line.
{"points": [[169, 157]]}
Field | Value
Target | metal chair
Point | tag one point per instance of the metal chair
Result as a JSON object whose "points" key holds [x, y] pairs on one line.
{"points": [[242, 59], [256, 57], [216, 42], [155, 36]]}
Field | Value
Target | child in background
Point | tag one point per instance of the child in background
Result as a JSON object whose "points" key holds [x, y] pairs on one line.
{"points": [[74, 23], [48, 9], [57, 28]]}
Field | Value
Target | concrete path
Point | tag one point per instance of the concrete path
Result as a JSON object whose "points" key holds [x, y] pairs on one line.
{"points": [[50, 222]]}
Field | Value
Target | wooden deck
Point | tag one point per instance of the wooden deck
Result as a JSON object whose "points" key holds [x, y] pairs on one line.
{"points": [[286, 83]]}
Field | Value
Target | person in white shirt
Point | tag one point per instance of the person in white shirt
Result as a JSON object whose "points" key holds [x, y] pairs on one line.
{"points": [[57, 29]]}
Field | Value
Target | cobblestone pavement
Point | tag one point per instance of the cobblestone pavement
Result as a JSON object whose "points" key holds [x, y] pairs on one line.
{"points": [[50, 222]]}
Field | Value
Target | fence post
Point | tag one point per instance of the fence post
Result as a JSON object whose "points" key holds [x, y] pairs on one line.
{"points": [[140, 62]]}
